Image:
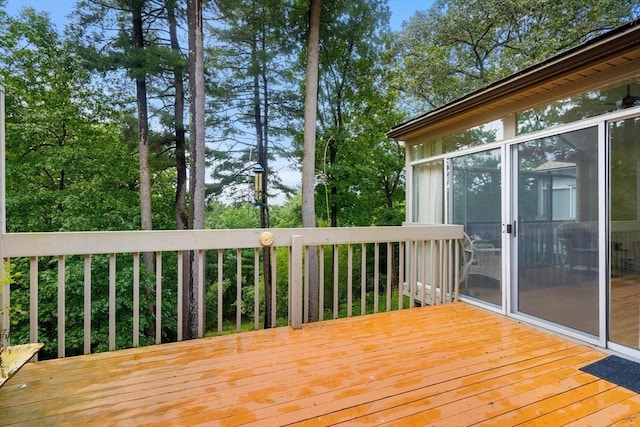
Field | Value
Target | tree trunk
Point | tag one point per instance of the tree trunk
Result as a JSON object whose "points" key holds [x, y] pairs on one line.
{"points": [[333, 155], [143, 131], [182, 218], [196, 179], [261, 126], [143, 154], [309, 148], [178, 114]]}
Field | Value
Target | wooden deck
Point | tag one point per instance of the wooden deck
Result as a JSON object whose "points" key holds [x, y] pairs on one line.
{"points": [[453, 365]]}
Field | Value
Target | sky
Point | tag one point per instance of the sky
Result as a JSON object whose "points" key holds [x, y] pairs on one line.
{"points": [[401, 10]]}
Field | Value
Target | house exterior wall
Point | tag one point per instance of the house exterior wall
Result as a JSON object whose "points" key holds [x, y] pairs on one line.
{"points": [[595, 86]]}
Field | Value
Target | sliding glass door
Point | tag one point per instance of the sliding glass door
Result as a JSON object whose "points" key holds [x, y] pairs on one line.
{"points": [[624, 232], [556, 271], [475, 201], [555, 238]]}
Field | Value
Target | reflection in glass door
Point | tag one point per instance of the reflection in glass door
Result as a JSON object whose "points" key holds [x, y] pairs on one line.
{"points": [[556, 232], [624, 226], [475, 202]]}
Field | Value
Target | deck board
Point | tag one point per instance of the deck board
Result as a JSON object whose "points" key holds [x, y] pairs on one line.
{"points": [[446, 365]]}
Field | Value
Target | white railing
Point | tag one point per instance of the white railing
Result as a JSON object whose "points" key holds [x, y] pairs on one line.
{"points": [[427, 253]]}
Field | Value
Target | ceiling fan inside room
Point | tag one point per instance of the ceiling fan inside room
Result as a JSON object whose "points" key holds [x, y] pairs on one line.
{"points": [[629, 100]]}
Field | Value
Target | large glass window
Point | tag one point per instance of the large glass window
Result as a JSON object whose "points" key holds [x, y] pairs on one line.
{"points": [[578, 107], [428, 193], [624, 250], [477, 135]]}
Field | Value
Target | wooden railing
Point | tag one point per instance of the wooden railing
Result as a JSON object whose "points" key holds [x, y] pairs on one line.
{"points": [[69, 261]]}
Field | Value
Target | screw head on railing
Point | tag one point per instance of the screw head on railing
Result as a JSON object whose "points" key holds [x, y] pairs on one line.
{"points": [[266, 238]]}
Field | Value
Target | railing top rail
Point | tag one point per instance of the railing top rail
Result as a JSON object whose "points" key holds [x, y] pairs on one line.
{"points": [[103, 242]]}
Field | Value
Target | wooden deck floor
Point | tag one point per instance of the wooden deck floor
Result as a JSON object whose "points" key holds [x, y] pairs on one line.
{"points": [[453, 365]]}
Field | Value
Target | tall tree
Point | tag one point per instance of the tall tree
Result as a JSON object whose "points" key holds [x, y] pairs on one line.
{"points": [[252, 52], [351, 53], [139, 73], [192, 327], [178, 119], [180, 207], [114, 38], [309, 148], [140, 39]]}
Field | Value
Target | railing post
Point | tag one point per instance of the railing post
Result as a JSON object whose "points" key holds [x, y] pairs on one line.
{"points": [[201, 293], [296, 282], [413, 273], [62, 308], [4, 281]]}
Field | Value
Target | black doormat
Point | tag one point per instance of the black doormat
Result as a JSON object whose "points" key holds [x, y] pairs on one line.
{"points": [[617, 370]]}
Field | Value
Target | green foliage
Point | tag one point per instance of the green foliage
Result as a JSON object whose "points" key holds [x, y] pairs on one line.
{"points": [[74, 304], [70, 167], [240, 215], [212, 303], [361, 170], [104, 39], [357, 275], [356, 307], [61, 139], [288, 215], [460, 45], [229, 287]]}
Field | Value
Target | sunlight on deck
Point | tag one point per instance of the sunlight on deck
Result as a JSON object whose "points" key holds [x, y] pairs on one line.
{"points": [[453, 365]]}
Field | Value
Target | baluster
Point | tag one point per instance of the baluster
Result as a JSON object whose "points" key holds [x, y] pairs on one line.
{"points": [[238, 290], [336, 279], [220, 279], [87, 304], [376, 276], [306, 284], [363, 281], [413, 273], [321, 283], [350, 280], [401, 276], [434, 273], [61, 306], [296, 282], [274, 263], [112, 301], [200, 293], [256, 288], [425, 273], [158, 297], [180, 265], [136, 299], [33, 300], [389, 273]]}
